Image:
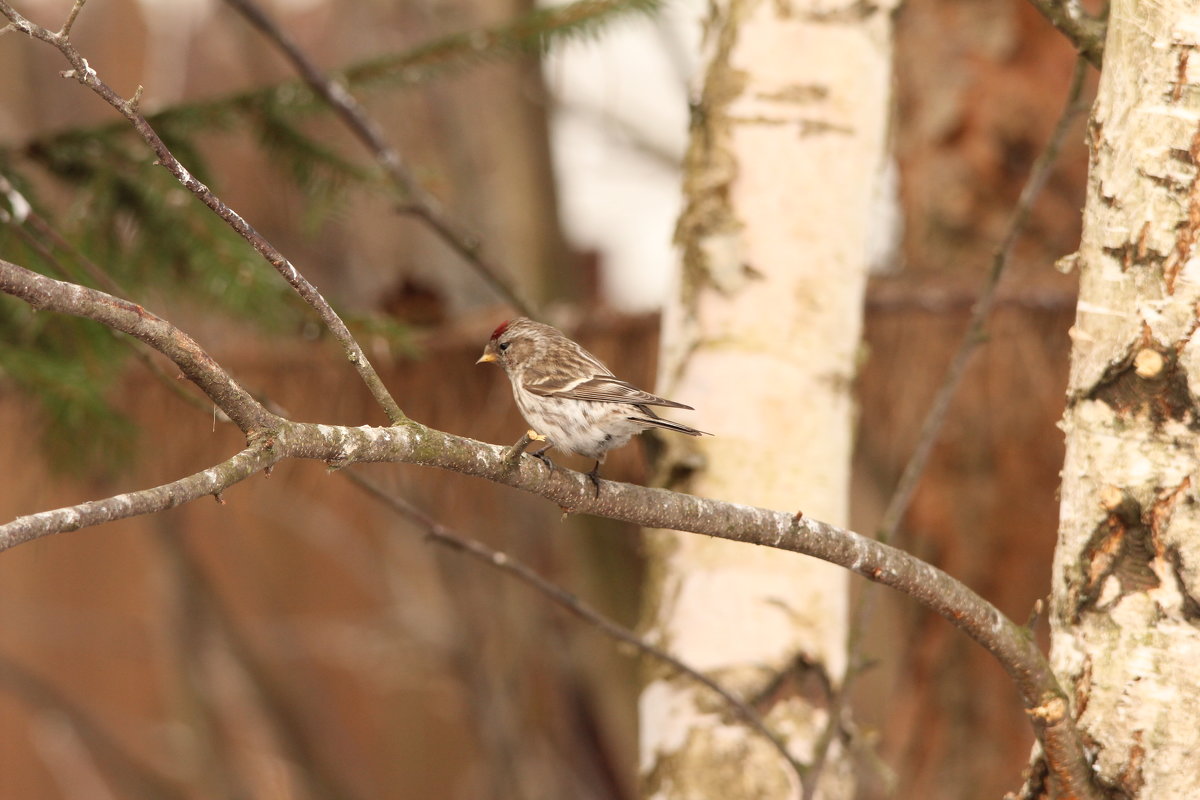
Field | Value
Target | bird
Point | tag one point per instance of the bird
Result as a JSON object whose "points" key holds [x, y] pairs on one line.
{"points": [[570, 397]]}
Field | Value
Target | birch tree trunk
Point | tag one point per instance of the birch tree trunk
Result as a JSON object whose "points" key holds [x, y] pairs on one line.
{"points": [[1126, 602], [788, 147]]}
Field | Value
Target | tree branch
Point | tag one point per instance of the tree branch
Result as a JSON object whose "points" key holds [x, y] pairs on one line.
{"points": [[418, 200], [212, 481], [412, 443], [43, 292], [86, 75], [1082, 29], [975, 334]]}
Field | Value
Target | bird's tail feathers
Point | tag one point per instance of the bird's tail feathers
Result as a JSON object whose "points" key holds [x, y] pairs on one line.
{"points": [[670, 425]]}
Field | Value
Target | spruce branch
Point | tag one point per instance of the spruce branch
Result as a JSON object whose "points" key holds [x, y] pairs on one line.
{"points": [[534, 32], [40, 236], [43, 292], [83, 72]]}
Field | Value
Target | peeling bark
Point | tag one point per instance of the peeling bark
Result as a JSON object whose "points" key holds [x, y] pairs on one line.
{"points": [[789, 139], [1127, 567]]}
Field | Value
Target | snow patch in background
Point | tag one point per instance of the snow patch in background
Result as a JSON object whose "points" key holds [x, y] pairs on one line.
{"points": [[619, 126]]}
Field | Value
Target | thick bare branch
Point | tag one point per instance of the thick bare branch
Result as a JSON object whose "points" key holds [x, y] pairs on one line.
{"points": [[68, 298], [418, 200], [83, 72]]}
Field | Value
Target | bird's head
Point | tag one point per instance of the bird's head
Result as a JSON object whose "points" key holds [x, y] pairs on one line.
{"points": [[510, 343]]}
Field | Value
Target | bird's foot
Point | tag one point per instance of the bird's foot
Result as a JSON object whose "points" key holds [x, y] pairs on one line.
{"points": [[541, 456]]}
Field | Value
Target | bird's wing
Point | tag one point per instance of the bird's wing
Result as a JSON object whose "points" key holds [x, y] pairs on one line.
{"points": [[600, 388]]}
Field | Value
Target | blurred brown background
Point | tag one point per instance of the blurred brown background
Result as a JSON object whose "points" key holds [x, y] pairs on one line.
{"points": [[299, 641]]}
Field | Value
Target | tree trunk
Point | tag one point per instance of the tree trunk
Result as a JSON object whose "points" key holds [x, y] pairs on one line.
{"points": [[1126, 602], [788, 146]]}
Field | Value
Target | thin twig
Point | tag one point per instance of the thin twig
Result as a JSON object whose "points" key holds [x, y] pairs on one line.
{"points": [[975, 333], [418, 199], [902, 495], [65, 31], [521, 445], [281, 710], [505, 563], [135, 778], [83, 72]]}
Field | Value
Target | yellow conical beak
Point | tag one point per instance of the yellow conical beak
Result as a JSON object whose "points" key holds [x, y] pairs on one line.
{"points": [[486, 358]]}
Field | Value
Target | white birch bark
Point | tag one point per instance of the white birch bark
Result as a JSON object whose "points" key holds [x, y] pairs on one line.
{"points": [[781, 215], [1126, 602]]}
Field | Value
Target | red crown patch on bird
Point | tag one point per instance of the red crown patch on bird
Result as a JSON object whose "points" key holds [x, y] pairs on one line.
{"points": [[500, 329]]}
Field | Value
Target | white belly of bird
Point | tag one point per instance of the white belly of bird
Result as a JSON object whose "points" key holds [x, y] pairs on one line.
{"points": [[581, 426]]}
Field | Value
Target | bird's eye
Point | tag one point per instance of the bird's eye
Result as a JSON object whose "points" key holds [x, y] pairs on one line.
{"points": [[503, 346]]}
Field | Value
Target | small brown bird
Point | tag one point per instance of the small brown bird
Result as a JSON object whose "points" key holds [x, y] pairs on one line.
{"points": [[566, 394]]}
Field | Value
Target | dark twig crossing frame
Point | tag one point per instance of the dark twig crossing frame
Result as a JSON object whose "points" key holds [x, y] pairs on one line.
{"points": [[417, 199], [505, 563], [973, 337]]}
